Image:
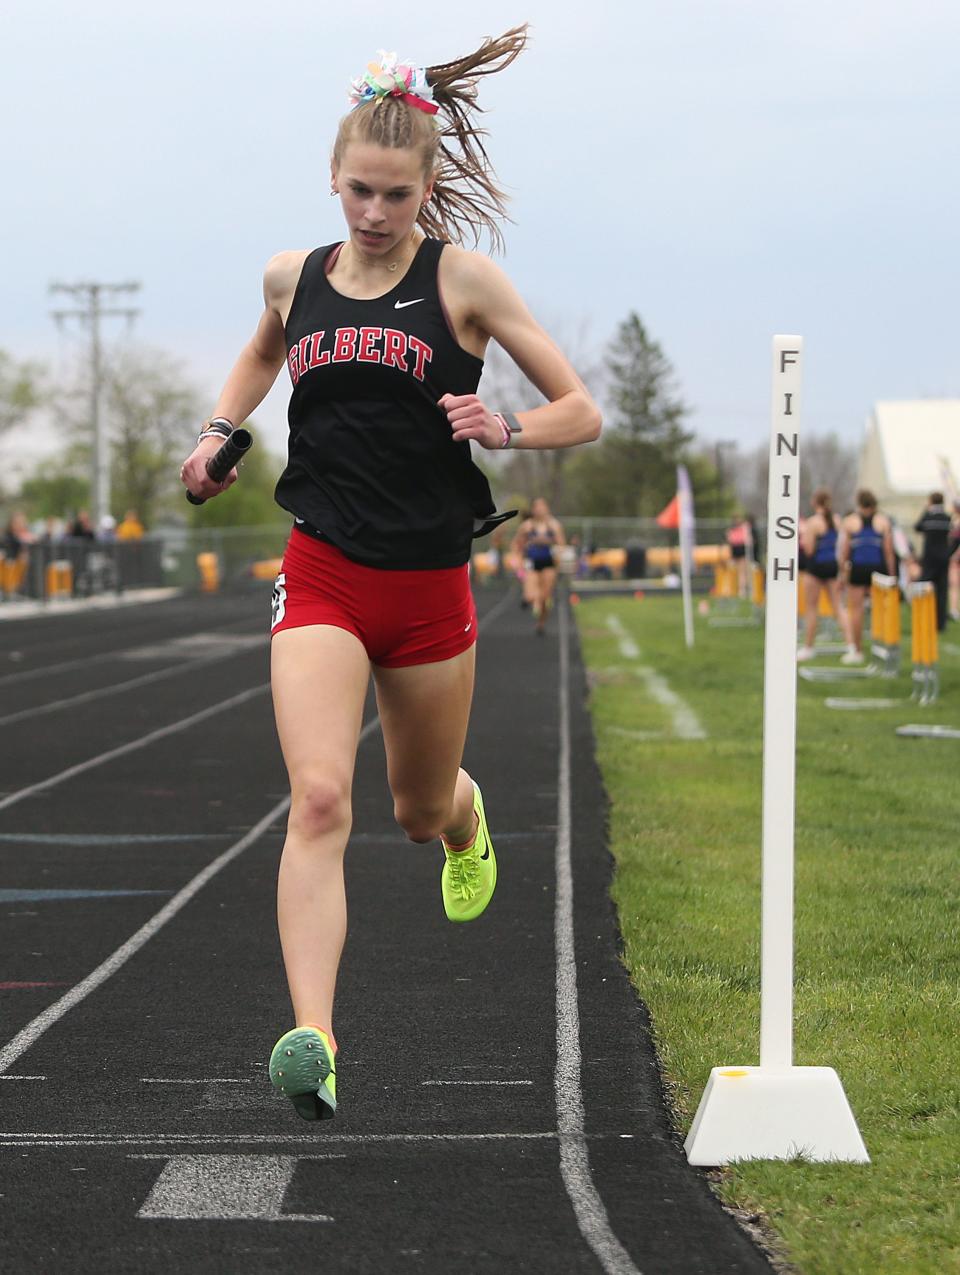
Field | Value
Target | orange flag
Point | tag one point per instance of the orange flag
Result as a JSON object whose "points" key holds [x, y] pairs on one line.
{"points": [[670, 517]]}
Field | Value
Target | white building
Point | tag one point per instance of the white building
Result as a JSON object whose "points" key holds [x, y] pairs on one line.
{"points": [[910, 450]]}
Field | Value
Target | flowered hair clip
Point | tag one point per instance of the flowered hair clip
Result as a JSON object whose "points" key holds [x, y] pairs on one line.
{"points": [[391, 78]]}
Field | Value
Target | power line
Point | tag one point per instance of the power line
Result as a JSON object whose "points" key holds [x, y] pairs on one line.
{"points": [[91, 311]]}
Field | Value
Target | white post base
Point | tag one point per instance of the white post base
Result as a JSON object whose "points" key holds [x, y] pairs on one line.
{"points": [[768, 1113]]}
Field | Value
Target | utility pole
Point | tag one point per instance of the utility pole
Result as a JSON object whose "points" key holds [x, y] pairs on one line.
{"points": [[91, 312]]}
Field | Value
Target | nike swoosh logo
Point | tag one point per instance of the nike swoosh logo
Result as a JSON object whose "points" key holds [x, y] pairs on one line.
{"points": [[400, 305]]}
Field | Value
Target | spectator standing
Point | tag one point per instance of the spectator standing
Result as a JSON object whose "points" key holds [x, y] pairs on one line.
{"points": [[131, 528], [935, 525]]}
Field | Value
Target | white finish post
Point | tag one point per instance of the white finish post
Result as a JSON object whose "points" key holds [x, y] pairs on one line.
{"points": [[777, 1111], [780, 707]]}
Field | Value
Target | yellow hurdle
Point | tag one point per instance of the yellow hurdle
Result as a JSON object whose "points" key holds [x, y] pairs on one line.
{"points": [[757, 585], [885, 623], [924, 647], [724, 580]]}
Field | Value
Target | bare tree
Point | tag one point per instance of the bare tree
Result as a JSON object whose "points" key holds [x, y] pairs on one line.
{"points": [[18, 393], [152, 409], [825, 461], [536, 472]]}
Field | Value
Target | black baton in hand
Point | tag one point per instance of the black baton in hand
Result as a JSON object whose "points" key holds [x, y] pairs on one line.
{"points": [[222, 461]]}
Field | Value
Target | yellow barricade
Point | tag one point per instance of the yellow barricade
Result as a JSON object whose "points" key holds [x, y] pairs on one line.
{"points": [[924, 647], [885, 623], [58, 579], [724, 580], [758, 585], [12, 571]]}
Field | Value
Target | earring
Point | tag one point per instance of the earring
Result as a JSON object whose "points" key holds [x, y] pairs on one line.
{"points": [[334, 191]]}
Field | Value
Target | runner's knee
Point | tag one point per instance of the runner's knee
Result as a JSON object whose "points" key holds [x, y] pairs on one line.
{"points": [[320, 804], [420, 822]]}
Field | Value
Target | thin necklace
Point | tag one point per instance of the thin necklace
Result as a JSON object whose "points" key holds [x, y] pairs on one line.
{"points": [[392, 268]]}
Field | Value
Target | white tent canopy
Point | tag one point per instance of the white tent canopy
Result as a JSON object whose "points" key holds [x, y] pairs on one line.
{"points": [[910, 450]]}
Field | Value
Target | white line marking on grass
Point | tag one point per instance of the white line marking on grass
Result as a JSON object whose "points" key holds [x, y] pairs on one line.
{"points": [[574, 1161], [625, 642], [686, 724], [134, 744]]}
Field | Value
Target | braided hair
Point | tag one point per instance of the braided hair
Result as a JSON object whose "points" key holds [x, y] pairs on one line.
{"points": [[466, 201]]}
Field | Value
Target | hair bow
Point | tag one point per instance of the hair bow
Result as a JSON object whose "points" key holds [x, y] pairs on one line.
{"points": [[391, 78]]}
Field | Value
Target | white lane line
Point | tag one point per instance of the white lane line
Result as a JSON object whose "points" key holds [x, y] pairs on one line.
{"points": [[122, 653], [210, 1080], [29, 1035], [9, 1077], [225, 1188], [114, 689], [134, 744], [625, 642], [588, 1207], [476, 1082], [252, 1139]]}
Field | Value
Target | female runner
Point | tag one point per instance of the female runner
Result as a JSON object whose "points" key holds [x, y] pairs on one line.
{"points": [[384, 336], [818, 540], [535, 544], [865, 546]]}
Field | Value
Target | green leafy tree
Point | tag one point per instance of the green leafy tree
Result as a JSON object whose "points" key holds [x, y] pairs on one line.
{"points": [[57, 489], [631, 472]]}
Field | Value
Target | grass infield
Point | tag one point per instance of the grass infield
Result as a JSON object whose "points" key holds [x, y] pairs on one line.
{"points": [[877, 920]]}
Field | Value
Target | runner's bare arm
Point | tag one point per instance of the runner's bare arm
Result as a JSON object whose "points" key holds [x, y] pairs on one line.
{"points": [[489, 302], [252, 375]]}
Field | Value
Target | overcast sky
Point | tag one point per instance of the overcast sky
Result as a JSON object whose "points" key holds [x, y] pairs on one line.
{"points": [[726, 168]]}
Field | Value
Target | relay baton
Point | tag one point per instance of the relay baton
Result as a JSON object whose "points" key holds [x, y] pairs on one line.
{"points": [[222, 461]]}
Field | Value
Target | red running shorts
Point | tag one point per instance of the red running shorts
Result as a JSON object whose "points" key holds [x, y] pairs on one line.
{"points": [[401, 617]]}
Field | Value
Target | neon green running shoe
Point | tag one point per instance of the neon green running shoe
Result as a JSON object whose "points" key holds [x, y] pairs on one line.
{"points": [[470, 876], [303, 1067]]}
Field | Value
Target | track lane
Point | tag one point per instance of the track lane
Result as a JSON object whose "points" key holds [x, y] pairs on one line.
{"points": [[419, 1000]]}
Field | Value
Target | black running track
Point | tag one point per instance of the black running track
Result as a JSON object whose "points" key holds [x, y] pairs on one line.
{"points": [[139, 1002]]}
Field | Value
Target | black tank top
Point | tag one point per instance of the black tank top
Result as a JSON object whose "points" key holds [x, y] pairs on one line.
{"points": [[372, 466]]}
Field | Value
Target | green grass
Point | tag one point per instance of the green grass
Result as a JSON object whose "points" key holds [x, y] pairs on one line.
{"points": [[877, 922]]}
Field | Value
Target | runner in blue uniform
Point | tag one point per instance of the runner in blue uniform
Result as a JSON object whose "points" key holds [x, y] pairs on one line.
{"points": [[820, 569], [865, 546], [537, 542]]}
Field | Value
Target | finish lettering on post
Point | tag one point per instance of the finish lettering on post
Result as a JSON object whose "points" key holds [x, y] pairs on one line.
{"points": [[780, 706]]}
